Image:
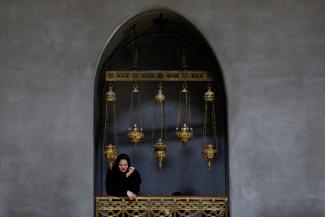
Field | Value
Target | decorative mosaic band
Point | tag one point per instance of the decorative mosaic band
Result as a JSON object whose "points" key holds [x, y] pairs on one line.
{"points": [[159, 76]]}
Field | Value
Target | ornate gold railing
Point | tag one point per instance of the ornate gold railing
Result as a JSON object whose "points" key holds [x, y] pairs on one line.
{"points": [[162, 206]]}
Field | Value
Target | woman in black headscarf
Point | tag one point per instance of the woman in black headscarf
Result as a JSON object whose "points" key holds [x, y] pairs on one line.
{"points": [[123, 180]]}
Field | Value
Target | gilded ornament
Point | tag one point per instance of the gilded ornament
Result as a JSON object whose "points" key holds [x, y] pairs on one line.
{"points": [[160, 97], [209, 95], [160, 151], [110, 154], [184, 134], [160, 147], [209, 153], [110, 95], [110, 151], [135, 134]]}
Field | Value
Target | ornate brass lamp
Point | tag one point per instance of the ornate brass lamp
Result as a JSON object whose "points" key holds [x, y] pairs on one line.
{"points": [[160, 146], [110, 150], [209, 153], [110, 154], [209, 149], [184, 131], [160, 151], [135, 133]]}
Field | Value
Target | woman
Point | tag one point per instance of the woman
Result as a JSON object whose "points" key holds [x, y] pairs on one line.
{"points": [[123, 180]]}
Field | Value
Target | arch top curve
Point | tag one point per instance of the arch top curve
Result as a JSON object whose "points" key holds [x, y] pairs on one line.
{"points": [[152, 24]]}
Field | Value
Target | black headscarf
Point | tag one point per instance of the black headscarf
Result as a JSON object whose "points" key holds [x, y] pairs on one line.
{"points": [[117, 162], [117, 184]]}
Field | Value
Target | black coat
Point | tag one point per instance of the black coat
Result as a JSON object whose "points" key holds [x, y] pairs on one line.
{"points": [[117, 184]]}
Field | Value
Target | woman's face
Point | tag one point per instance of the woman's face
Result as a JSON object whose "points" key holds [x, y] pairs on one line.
{"points": [[123, 165]]}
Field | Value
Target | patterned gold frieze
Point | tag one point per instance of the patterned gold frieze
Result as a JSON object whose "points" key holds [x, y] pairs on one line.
{"points": [[159, 76]]}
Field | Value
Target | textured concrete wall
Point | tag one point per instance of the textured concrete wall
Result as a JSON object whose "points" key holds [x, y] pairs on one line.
{"points": [[272, 55]]}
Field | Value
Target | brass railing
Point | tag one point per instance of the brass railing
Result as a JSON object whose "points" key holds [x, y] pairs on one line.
{"points": [[162, 206]]}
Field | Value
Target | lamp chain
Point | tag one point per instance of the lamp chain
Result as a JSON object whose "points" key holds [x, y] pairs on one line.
{"points": [[105, 122], [114, 123], [214, 123], [205, 122]]}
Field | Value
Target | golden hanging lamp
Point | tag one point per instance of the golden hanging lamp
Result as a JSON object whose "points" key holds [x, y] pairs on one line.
{"points": [[160, 97], [160, 146], [184, 131], [209, 150], [209, 153], [110, 150], [135, 133], [110, 154], [209, 95], [110, 95], [184, 134], [160, 151]]}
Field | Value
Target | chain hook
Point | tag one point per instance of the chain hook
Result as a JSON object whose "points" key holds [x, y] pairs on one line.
{"points": [[160, 85], [184, 85], [209, 86]]}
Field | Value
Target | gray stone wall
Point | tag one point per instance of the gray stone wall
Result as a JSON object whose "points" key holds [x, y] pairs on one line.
{"points": [[272, 56]]}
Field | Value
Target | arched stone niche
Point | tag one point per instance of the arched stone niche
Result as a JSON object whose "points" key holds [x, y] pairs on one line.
{"points": [[161, 36]]}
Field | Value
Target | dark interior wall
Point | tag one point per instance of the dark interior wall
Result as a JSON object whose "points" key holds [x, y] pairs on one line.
{"points": [[272, 57]]}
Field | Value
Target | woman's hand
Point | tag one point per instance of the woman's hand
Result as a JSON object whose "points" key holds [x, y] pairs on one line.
{"points": [[131, 170], [131, 195]]}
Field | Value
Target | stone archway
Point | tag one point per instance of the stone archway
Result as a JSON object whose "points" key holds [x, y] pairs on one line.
{"points": [[161, 37]]}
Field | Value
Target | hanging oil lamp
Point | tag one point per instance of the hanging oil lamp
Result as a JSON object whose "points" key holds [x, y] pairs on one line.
{"points": [[135, 132], [160, 151], [110, 150], [160, 146], [184, 131], [110, 153], [209, 148]]}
